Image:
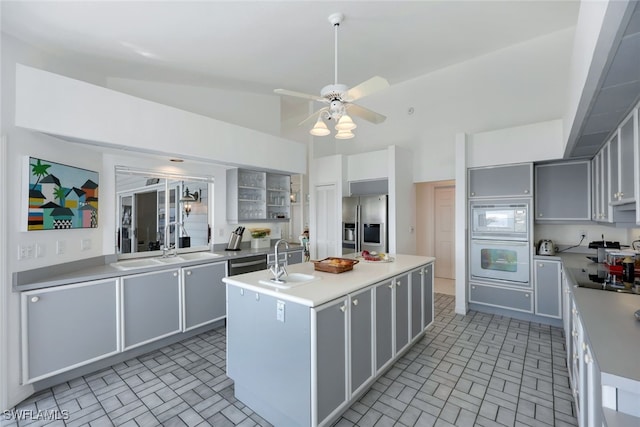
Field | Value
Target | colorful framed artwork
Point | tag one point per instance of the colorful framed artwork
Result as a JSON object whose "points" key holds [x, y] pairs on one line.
{"points": [[61, 196]]}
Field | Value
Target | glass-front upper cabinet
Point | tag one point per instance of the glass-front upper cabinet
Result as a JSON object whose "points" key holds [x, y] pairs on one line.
{"points": [[257, 196]]}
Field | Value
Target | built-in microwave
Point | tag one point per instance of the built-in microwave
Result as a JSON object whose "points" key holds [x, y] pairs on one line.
{"points": [[503, 220]]}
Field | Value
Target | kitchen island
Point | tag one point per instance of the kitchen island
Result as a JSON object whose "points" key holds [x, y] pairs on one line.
{"points": [[301, 355]]}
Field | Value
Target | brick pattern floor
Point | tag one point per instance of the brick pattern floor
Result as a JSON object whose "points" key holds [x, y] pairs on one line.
{"points": [[474, 370]]}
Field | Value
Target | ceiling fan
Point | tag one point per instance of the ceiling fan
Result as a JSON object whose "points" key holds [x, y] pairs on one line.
{"points": [[339, 98]]}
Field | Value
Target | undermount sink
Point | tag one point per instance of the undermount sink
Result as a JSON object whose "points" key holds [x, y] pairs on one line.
{"points": [[135, 263], [291, 280], [191, 256]]}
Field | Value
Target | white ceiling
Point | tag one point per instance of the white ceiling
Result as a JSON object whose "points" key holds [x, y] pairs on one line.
{"points": [[262, 45]]}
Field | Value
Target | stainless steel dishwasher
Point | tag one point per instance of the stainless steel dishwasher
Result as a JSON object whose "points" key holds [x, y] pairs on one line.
{"points": [[247, 264]]}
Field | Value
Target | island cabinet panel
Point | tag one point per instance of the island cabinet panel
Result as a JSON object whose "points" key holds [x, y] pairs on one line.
{"points": [[384, 324], [151, 306], [361, 338], [402, 312], [548, 292], [331, 353], [427, 295], [415, 323], [294, 257], [269, 355], [204, 294], [501, 181], [68, 326]]}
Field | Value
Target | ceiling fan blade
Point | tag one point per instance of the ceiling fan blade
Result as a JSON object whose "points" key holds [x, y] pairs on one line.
{"points": [[365, 113], [313, 115], [299, 95], [374, 84]]}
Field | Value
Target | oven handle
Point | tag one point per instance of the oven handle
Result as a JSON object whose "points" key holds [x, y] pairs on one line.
{"points": [[246, 264], [499, 242]]}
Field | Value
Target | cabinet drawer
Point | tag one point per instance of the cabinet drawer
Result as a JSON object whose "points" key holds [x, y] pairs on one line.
{"points": [[501, 297]]}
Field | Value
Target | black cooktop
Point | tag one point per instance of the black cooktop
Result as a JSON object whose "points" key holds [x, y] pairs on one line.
{"points": [[598, 276]]}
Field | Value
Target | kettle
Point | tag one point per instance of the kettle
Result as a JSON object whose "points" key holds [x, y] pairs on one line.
{"points": [[545, 247]]}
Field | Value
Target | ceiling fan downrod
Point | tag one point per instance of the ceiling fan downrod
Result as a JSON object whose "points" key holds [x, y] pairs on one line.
{"points": [[336, 20]]}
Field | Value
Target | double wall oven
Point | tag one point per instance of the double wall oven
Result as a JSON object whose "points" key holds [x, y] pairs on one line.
{"points": [[500, 249]]}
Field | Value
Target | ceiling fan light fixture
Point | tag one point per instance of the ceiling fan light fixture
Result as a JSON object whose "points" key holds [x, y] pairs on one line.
{"points": [[320, 128], [344, 134], [345, 123]]}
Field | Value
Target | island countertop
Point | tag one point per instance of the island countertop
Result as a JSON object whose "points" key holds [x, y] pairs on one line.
{"points": [[329, 286]]}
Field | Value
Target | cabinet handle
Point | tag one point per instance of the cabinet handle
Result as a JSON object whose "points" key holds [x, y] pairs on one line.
{"points": [[540, 265], [398, 283], [343, 308], [526, 295], [35, 299], [355, 302], [189, 273], [575, 356], [573, 311], [540, 215], [587, 359], [390, 285], [584, 346], [473, 194], [526, 191], [473, 287], [621, 195], [257, 297], [574, 333], [175, 274], [241, 291], [421, 273]]}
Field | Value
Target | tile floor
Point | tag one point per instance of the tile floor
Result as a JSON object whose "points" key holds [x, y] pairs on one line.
{"points": [[478, 369]]}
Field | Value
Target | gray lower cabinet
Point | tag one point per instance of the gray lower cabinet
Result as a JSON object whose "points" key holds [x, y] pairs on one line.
{"points": [[501, 181], [402, 312], [331, 357], [204, 294], [361, 338], [150, 306], [68, 326], [384, 323], [415, 321], [427, 295], [548, 291], [513, 299], [294, 257], [563, 191]]}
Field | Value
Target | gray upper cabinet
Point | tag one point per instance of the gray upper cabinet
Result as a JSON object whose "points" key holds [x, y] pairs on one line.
{"points": [[623, 185], [501, 181], [204, 294], [548, 291], [150, 306], [563, 191], [68, 326]]}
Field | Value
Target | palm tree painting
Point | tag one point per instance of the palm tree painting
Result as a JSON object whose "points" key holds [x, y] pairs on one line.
{"points": [[59, 194]]}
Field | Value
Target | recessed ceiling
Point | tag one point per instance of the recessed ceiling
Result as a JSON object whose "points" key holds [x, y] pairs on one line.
{"points": [[262, 45]]}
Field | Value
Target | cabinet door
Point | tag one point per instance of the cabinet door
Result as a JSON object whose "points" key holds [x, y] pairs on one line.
{"points": [[595, 187], [294, 257], [361, 333], [68, 326], [384, 323], [614, 169], [415, 280], [547, 288], [331, 357], [496, 296], [402, 312], [628, 140], [427, 295], [563, 191], [499, 181], [151, 306], [204, 294], [604, 208]]}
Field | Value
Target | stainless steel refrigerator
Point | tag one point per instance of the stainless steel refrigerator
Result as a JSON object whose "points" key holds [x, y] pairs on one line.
{"points": [[364, 224]]}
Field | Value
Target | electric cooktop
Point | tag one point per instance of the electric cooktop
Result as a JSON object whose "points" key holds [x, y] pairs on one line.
{"points": [[598, 276]]}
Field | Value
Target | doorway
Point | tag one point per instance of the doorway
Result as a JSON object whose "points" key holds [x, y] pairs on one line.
{"points": [[435, 231]]}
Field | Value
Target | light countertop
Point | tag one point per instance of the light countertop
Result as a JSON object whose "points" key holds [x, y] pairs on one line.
{"points": [[329, 286]]}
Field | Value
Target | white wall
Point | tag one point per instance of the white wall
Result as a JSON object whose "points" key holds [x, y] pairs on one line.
{"points": [[402, 202]]}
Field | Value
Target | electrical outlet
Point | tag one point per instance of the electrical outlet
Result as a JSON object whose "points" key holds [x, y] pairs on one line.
{"points": [[61, 246], [85, 244], [39, 250], [582, 234]]}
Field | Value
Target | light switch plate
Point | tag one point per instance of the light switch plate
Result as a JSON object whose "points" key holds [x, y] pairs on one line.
{"points": [[61, 247], [85, 244], [280, 311]]}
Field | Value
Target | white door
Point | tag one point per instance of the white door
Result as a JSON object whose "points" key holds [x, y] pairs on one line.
{"points": [[327, 220], [444, 200]]}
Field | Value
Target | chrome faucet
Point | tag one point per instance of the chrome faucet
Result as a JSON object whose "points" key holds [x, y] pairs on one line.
{"points": [[276, 269], [165, 246]]}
